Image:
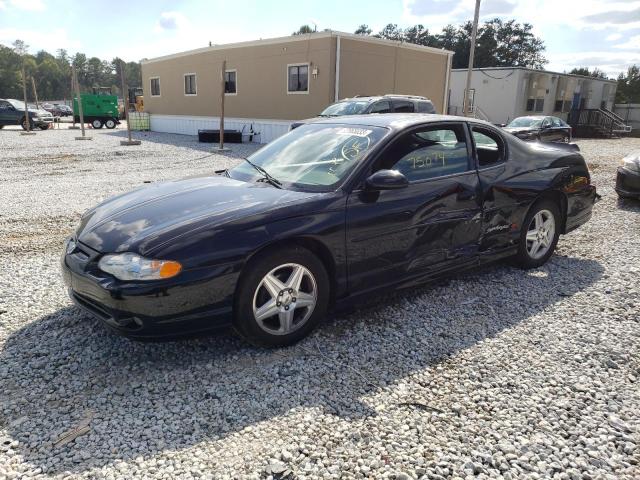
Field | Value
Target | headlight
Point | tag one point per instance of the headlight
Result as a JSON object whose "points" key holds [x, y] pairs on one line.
{"points": [[632, 162], [129, 266]]}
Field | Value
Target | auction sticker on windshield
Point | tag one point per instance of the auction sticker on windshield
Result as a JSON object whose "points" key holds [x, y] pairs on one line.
{"points": [[358, 132]]}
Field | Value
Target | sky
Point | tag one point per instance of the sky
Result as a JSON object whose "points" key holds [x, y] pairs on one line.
{"points": [[590, 33]]}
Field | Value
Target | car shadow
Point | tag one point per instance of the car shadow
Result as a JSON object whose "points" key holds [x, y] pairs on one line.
{"points": [[66, 371], [629, 204], [186, 141]]}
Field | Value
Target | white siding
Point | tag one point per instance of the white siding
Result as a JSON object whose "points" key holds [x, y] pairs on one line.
{"points": [[189, 125]]}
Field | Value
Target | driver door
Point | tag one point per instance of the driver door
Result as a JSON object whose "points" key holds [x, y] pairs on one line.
{"points": [[431, 225], [6, 113]]}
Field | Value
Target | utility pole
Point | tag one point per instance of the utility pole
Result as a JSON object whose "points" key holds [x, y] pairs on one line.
{"points": [[35, 92], [26, 107], [125, 102], [222, 87], [472, 51], [80, 113]]}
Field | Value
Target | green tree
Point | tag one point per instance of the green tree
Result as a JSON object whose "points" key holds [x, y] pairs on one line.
{"points": [[363, 30], [304, 29], [596, 72], [629, 86]]}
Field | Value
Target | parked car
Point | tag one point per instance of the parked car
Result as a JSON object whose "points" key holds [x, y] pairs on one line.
{"points": [[628, 176], [378, 104], [12, 113], [540, 128], [64, 110], [324, 216]]}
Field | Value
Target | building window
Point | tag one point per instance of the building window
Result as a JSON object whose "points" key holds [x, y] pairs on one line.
{"points": [[298, 78], [230, 84], [539, 104], [530, 104], [155, 86], [558, 106], [567, 106], [190, 87]]}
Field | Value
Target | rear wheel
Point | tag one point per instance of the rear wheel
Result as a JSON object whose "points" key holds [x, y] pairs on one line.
{"points": [[110, 123], [539, 235], [97, 123], [281, 298], [23, 124]]}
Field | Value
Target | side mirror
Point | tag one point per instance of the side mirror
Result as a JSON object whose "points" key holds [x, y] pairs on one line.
{"points": [[386, 180]]}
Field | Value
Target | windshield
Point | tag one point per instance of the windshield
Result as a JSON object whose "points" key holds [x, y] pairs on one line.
{"points": [[526, 122], [315, 157], [18, 105], [345, 108]]}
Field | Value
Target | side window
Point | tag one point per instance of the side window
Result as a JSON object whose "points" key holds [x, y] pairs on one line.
{"points": [[298, 78], [546, 123], [155, 86], [190, 84], [425, 107], [381, 107], [428, 153], [402, 106], [556, 122], [230, 87], [4, 105], [489, 147]]}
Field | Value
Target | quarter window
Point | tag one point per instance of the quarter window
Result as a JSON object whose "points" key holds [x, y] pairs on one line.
{"points": [[190, 84], [230, 87], [298, 78], [381, 107], [489, 147], [403, 106], [428, 153], [155, 86]]}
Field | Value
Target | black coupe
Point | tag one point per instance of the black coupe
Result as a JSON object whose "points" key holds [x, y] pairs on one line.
{"points": [[321, 218]]}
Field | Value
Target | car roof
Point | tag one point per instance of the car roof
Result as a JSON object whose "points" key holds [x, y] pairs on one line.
{"points": [[397, 121], [373, 98]]}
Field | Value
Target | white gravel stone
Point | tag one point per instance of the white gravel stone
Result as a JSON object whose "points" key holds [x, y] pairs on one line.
{"points": [[496, 373]]}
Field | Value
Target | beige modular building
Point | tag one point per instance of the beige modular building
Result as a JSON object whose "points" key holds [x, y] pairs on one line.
{"points": [[271, 82]]}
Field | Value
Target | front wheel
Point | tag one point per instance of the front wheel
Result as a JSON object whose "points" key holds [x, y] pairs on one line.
{"points": [[110, 123], [281, 298], [97, 123], [539, 236], [24, 125]]}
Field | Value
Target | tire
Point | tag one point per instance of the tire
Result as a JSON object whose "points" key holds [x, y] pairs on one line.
{"points": [[545, 239], [110, 123], [257, 291], [97, 123], [23, 124]]}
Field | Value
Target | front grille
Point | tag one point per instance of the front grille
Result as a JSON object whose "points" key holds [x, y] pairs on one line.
{"points": [[92, 306]]}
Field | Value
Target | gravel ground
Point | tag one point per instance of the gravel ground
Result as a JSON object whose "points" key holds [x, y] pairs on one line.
{"points": [[498, 373]]}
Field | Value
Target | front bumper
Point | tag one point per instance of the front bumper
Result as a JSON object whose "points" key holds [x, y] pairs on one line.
{"points": [[627, 183], [195, 301]]}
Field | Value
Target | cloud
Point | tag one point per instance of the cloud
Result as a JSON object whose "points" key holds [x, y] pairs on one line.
{"points": [[632, 44], [614, 16], [49, 40], [613, 37], [29, 5], [172, 21], [497, 7], [612, 63]]}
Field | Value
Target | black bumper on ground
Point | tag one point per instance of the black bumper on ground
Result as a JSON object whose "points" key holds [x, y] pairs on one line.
{"points": [[195, 301], [628, 183]]}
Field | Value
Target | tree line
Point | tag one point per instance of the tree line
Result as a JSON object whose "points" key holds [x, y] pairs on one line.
{"points": [[52, 73], [500, 43]]}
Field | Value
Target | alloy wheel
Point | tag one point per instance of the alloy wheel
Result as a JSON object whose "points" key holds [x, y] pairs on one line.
{"points": [[285, 299], [540, 234]]}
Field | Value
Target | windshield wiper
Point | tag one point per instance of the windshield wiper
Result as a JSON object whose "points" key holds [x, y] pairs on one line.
{"points": [[267, 177]]}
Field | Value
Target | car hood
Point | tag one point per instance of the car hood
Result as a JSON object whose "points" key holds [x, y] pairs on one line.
{"points": [[148, 217]]}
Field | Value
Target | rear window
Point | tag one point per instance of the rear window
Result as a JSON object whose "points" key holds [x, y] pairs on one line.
{"points": [[425, 107], [402, 106]]}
